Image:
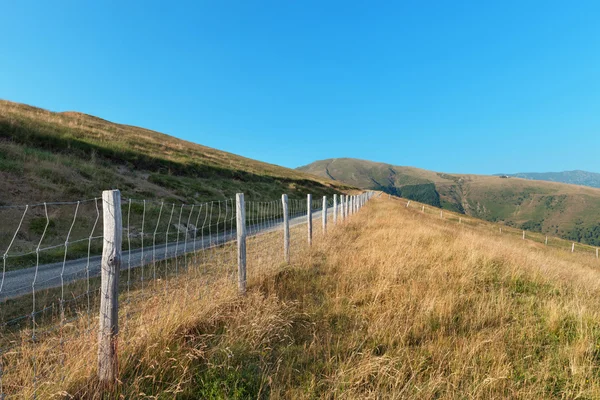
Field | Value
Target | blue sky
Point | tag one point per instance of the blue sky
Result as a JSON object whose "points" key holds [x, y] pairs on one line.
{"points": [[450, 86]]}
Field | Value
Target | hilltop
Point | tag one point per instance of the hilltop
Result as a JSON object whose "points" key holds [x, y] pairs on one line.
{"points": [[559, 209], [57, 156]]}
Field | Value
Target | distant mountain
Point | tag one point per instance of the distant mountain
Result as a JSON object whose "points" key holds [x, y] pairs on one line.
{"points": [[577, 177], [555, 208]]}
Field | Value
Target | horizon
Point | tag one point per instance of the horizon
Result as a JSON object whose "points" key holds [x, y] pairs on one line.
{"points": [[472, 90], [324, 159]]}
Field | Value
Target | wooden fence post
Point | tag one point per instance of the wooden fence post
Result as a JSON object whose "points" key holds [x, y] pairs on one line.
{"points": [[309, 217], [324, 215], [335, 211], [408, 204], [286, 228], [423, 209], [345, 207], [546, 242], [346, 200], [573, 248], [348, 206], [596, 252], [523, 235], [240, 209], [108, 329]]}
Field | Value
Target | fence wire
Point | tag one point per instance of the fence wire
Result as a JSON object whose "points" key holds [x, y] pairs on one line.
{"points": [[50, 283], [500, 229]]}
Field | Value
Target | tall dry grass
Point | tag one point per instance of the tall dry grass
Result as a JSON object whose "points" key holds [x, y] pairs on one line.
{"points": [[417, 307], [392, 304]]}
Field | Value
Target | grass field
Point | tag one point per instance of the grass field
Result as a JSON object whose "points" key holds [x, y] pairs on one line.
{"points": [[393, 304]]}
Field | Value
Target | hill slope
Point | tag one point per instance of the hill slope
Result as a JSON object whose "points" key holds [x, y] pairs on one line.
{"points": [[584, 178], [559, 209], [48, 156]]}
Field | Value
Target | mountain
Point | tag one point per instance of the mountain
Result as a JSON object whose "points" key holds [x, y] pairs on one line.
{"points": [[577, 177], [58, 156], [568, 211]]}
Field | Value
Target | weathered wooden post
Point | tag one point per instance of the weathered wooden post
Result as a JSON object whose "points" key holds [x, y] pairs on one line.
{"points": [[346, 207], [324, 215], [342, 207], [442, 214], [408, 204], [423, 209], [335, 210], [546, 242], [240, 209], [573, 248], [309, 217], [286, 228], [108, 329], [523, 235], [596, 252]]}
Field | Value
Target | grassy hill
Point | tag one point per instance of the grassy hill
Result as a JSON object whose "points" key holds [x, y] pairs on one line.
{"points": [[49, 156], [568, 211], [394, 303]]}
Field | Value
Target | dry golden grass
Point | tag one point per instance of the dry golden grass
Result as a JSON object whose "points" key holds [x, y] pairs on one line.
{"points": [[393, 304]]}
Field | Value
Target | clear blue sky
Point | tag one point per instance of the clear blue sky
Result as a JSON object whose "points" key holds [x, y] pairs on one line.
{"points": [[450, 86]]}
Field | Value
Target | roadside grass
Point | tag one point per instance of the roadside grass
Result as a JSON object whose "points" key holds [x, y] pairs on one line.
{"points": [[392, 304]]}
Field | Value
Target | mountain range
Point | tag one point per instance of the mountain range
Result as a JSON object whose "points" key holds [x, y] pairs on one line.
{"points": [[555, 208], [577, 177], [58, 156]]}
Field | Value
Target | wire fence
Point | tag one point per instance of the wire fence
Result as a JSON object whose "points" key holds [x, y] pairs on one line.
{"points": [[501, 229], [54, 271]]}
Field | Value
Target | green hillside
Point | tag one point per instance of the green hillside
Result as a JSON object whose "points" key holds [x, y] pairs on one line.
{"points": [[49, 156], [568, 211]]}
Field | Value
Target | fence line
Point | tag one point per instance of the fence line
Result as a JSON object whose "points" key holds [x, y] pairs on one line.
{"points": [[503, 229], [67, 261]]}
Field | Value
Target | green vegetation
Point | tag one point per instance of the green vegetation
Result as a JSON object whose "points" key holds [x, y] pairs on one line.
{"points": [[545, 207], [424, 193]]}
